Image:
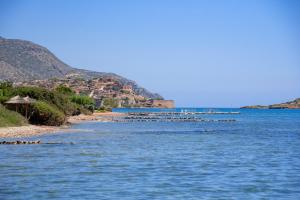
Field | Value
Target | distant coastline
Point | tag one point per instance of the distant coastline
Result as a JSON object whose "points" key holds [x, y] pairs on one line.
{"points": [[295, 104]]}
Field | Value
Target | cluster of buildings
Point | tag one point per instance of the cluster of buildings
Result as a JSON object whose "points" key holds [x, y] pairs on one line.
{"points": [[101, 89]]}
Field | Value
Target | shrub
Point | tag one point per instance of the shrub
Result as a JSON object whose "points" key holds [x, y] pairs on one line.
{"points": [[5, 85], [104, 109], [61, 101], [110, 102], [64, 90], [3, 99], [10, 118], [46, 114], [85, 101], [82, 100], [5, 91], [125, 91]]}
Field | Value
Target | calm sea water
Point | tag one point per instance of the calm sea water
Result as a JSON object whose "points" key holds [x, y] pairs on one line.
{"points": [[256, 157]]}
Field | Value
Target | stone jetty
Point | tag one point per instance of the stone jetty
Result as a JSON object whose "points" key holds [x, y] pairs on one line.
{"points": [[172, 117]]}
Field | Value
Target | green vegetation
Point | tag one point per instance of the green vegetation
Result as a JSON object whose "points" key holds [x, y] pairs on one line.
{"points": [[60, 100], [104, 109], [10, 118], [52, 106], [85, 101], [110, 103], [64, 90], [44, 113], [5, 91], [125, 92]]}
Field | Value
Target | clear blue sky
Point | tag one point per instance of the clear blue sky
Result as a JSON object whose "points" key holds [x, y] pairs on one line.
{"points": [[200, 53]]}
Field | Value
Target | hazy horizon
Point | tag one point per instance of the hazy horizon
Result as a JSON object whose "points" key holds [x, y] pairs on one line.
{"points": [[199, 53]]}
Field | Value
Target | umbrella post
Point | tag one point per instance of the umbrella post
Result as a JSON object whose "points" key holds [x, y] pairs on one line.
{"points": [[26, 107]]}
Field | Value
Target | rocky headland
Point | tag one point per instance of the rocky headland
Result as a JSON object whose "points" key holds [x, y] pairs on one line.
{"points": [[295, 104]]}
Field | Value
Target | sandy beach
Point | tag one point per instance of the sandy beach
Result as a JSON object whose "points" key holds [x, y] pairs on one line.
{"points": [[34, 130], [97, 116], [26, 131]]}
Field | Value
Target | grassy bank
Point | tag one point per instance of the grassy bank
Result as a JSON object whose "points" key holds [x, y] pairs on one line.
{"points": [[10, 118]]}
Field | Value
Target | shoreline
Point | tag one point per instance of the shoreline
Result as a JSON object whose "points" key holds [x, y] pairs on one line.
{"points": [[36, 130], [97, 116]]}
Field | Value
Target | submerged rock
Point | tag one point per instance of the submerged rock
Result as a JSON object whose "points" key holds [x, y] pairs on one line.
{"points": [[21, 142]]}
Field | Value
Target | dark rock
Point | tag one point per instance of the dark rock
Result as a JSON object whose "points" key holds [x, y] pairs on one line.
{"points": [[21, 142]]}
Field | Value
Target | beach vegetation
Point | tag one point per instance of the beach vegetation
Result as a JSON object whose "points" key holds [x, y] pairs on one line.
{"points": [[103, 109], [10, 118], [83, 100], [64, 90], [46, 114], [53, 106], [110, 103]]}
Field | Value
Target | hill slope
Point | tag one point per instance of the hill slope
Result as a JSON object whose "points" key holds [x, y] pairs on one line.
{"points": [[22, 60]]}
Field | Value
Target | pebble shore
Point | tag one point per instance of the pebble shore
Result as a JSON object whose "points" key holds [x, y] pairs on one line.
{"points": [[21, 142], [33, 130], [26, 131]]}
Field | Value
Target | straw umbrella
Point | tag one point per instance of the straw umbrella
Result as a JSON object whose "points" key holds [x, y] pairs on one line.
{"points": [[17, 100], [28, 101]]}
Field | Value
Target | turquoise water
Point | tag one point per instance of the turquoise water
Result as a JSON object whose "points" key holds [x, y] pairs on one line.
{"points": [[256, 157]]}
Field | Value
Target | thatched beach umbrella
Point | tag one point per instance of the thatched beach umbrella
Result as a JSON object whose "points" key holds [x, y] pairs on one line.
{"points": [[29, 100], [17, 100]]}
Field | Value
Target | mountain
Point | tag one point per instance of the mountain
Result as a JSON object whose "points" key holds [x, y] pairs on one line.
{"points": [[22, 61], [295, 104]]}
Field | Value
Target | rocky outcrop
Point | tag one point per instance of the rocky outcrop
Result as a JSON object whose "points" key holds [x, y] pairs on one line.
{"points": [[163, 103], [255, 107], [295, 104], [21, 142]]}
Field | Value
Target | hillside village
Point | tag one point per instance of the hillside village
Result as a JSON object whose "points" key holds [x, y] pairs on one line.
{"points": [[28, 64], [104, 90]]}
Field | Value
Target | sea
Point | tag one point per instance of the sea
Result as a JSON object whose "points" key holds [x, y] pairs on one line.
{"points": [[254, 156]]}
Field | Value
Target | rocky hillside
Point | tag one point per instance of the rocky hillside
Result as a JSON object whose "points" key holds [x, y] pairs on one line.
{"points": [[295, 104], [22, 60], [25, 61]]}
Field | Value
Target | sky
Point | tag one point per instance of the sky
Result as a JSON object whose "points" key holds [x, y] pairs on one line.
{"points": [[201, 53]]}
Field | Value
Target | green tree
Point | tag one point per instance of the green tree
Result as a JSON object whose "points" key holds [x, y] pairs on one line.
{"points": [[64, 90], [110, 102]]}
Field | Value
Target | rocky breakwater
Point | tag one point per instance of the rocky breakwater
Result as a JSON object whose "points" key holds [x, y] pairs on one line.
{"points": [[21, 142]]}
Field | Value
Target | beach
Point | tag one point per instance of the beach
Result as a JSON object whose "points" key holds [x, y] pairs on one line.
{"points": [[34, 130], [97, 116], [27, 131]]}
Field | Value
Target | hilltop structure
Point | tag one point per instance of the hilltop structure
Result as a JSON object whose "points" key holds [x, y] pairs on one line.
{"points": [[102, 89]]}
